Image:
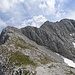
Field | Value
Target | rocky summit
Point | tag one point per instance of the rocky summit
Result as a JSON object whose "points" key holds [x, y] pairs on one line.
{"points": [[38, 51]]}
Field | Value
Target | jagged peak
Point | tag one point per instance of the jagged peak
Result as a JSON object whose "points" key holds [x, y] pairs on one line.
{"points": [[10, 29], [65, 19], [68, 20], [29, 27]]}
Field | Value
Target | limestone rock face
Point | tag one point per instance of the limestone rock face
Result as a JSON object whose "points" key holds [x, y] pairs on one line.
{"points": [[7, 32], [32, 50], [36, 34], [57, 36]]}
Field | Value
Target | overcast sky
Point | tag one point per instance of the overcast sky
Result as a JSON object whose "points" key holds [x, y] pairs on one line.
{"points": [[20, 13]]}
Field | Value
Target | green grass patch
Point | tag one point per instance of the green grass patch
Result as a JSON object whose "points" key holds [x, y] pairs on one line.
{"points": [[20, 59]]}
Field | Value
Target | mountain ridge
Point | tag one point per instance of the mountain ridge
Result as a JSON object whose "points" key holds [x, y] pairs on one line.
{"points": [[54, 35], [32, 50]]}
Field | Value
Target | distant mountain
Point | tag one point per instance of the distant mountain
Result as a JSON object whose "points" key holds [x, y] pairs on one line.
{"points": [[35, 51]]}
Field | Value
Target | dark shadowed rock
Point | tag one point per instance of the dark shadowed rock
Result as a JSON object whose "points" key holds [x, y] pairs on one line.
{"points": [[3, 38], [36, 34], [6, 33], [55, 36]]}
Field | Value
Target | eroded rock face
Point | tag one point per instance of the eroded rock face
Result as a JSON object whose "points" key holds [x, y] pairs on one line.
{"points": [[55, 36], [1, 69], [3, 37], [32, 51], [36, 34], [7, 32]]}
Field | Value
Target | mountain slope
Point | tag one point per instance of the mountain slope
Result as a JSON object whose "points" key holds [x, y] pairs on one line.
{"points": [[21, 56], [57, 36]]}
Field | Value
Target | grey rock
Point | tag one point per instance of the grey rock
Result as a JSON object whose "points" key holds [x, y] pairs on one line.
{"points": [[6, 33], [40, 45], [55, 36]]}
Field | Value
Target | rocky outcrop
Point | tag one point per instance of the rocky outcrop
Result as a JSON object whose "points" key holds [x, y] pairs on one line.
{"points": [[35, 34], [7, 32], [56, 36], [32, 50]]}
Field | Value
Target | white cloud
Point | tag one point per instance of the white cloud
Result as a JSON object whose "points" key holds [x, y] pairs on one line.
{"points": [[71, 14], [4, 5], [39, 7], [2, 23], [47, 7], [62, 1], [36, 21], [60, 15], [21, 0], [20, 11], [12, 20]]}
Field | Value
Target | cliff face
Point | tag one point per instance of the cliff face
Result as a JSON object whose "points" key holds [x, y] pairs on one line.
{"points": [[32, 51], [58, 36]]}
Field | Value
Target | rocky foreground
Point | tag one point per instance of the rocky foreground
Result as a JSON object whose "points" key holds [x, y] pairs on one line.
{"points": [[32, 51]]}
